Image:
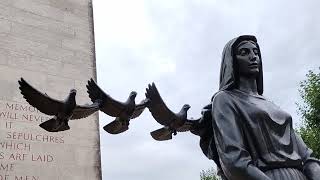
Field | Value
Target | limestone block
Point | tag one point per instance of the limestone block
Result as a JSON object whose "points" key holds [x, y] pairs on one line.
{"points": [[41, 22], [39, 9], [25, 46], [35, 34], [5, 10], [59, 53], [91, 123], [83, 34], [77, 7], [83, 173], [5, 26], [4, 56], [76, 44], [32, 63], [50, 44], [85, 58], [78, 73], [59, 84], [71, 18], [80, 2]]}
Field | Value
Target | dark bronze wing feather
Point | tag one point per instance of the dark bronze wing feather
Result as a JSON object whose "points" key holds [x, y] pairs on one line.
{"points": [[42, 102], [165, 133], [109, 105], [139, 108], [160, 112], [188, 125], [83, 111], [162, 134]]}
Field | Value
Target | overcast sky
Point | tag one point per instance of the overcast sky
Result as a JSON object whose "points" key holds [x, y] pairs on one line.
{"points": [[178, 45]]}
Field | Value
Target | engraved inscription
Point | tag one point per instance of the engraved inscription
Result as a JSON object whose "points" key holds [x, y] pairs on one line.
{"points": [[16, 146]]}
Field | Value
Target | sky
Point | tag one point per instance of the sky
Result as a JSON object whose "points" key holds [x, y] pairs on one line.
{"points": [[177, 44]]}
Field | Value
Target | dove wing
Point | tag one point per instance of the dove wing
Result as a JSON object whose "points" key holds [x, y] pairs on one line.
{"points": [[188, 125], [162, 134], [160, 112], [42, 102], [83, 111], [109, 105], [139, 109]]}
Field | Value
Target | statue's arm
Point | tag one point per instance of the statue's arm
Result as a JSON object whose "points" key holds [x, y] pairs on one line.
{"points": [[236, 161], [311, 165]]}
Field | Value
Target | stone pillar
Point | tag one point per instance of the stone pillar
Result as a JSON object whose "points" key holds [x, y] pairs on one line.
{"points": [[50, 44]]}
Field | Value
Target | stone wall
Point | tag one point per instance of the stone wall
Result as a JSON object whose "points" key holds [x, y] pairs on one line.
{"points": [[51, 44]]}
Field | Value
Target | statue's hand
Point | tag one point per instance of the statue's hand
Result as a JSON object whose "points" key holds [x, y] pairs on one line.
{"points": [[312, 170]]}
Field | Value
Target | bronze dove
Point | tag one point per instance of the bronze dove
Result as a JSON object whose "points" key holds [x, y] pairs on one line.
{"points": [[63, 111], [171, 121], [123, 111]]}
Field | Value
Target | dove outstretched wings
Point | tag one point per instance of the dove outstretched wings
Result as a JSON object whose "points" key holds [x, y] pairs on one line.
{"points": [[50, 106], [63, 111], [172, 122], [122, 111]]}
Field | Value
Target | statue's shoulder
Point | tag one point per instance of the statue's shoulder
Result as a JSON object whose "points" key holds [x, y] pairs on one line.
{"points": [[222, 96]]}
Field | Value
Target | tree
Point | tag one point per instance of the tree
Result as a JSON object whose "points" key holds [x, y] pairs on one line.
{"points": [[210, 174], [310, 111]]}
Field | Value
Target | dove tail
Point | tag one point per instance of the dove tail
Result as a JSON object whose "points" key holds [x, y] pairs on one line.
{"points": [[54, 125], [116, 127], [162, 134]]}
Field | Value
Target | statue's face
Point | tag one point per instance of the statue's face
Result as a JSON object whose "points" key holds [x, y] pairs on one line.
{"points": [[247, 55]]}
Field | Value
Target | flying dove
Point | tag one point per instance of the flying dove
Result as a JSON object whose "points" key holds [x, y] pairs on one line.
{"points": [[172, 122], [122, 111], [62, 111]]}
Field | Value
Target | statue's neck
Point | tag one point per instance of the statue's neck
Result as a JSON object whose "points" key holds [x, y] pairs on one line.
{"points": [[248, 85]]}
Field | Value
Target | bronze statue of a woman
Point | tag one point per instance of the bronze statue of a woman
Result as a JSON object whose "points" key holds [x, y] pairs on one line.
{"points": [[248, 136]]}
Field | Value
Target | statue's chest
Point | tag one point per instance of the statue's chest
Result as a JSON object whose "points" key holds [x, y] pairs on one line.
{"points": [[263, 112]]}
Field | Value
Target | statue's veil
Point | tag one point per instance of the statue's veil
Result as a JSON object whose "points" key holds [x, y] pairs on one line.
{"points": [[228, 80], [229, 72]]}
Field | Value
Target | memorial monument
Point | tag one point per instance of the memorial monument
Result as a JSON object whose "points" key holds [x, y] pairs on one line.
{"points": [[51, 44]]}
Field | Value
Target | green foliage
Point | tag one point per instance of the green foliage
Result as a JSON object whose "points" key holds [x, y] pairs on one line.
{"points": [[311, 137], [210, 174], [310, 111]]}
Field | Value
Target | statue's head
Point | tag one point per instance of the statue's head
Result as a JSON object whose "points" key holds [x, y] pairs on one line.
{"points": [[247, 57], [241, 57]]}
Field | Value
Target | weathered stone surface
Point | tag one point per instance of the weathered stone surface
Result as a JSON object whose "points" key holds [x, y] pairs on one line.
{"points": [[41, 22], [50, 44]]}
